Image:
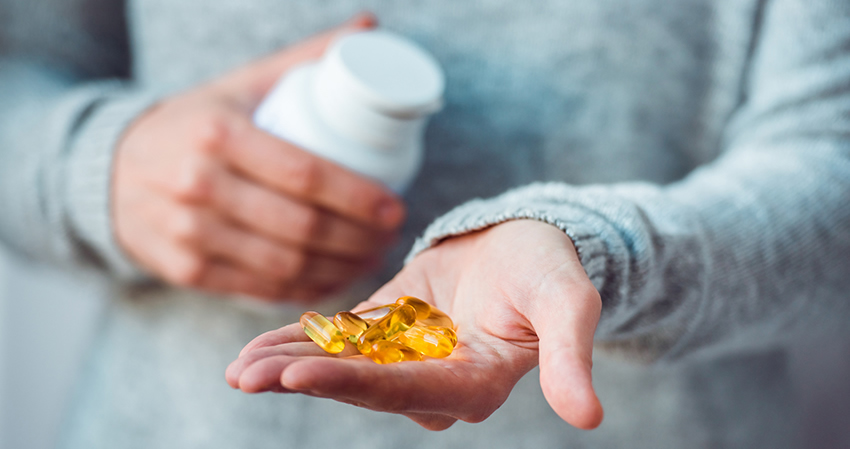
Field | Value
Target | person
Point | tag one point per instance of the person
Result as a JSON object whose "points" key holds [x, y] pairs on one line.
{"points": [[692, 211]]}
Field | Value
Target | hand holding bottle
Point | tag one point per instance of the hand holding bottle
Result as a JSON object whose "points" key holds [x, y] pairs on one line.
{"points": [[204, 199]]}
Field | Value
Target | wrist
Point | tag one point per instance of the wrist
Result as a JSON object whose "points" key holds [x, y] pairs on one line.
{"points": [[547, 203], [89, 179]]}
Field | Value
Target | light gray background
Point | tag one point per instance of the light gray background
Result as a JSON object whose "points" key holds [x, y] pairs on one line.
{"points": [[44, 330]]}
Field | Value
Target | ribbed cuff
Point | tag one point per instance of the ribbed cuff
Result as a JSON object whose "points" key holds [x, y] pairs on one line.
{"points": [[89, 176], [531, 202]]}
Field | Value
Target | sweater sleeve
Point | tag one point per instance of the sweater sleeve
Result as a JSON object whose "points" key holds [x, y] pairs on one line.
{"points": [[63, 109], [749, 250]]}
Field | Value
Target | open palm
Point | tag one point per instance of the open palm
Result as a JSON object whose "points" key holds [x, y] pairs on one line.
{"points": [[518, 296]]}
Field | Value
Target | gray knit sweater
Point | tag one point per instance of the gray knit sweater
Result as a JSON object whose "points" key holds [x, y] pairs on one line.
{"points": [[697, 152]]}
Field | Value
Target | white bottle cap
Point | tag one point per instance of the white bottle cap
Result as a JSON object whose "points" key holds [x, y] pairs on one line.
{"points": [[387, 72], [378, 87]]}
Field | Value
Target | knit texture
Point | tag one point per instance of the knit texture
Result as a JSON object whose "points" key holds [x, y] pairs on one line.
{"points": [[697, 153]]}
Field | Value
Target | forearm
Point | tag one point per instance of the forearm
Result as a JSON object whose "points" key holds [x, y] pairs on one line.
{"points": [[746, 250]]}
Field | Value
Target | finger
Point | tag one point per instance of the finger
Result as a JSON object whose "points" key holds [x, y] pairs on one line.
{"points": [[237, 367], [310, 179], [203, 230], [260, 369], [566, 347], [286, 334], [184, 265], [186, 268], [217, 277], [264, 375], [207, 234], [200, 180], [293, 222], [422, 387], [307, 295], [280, 263], [253, 81], [229, 139]]}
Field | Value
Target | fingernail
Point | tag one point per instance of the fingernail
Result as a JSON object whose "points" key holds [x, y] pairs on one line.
{"points": [[364, 19]]}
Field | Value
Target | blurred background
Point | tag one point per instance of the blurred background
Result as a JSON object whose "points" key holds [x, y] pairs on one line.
{"points": [[45, 328]]}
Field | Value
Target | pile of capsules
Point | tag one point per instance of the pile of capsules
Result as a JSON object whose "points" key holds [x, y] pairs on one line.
{"points": [[400, 332]]}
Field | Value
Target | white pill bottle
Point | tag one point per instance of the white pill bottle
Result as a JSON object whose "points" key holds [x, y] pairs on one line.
{"points": [[364, 105]]}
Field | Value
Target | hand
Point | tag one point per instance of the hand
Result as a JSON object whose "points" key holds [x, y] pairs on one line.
{"points": [[518, 295], [204, 199]]}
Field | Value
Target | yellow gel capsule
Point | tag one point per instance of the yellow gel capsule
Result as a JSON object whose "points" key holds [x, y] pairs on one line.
{"points": [[427, 341], [384, 352], [351, 325], [370, 316], [399, 320], [323, 332], [437, 318], [447, 332], [423, 309]]}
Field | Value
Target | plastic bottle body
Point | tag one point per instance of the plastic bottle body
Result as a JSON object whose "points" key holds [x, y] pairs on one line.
{"points": [[290, 112], [365, 106]]}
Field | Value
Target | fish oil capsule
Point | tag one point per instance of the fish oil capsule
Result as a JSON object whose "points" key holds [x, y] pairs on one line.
{"points": [[437, 318], [399, 320], [370, 316], [323, 332], [423, 309], [427, 341], [384, 352], [351, 325], [447, 332]]}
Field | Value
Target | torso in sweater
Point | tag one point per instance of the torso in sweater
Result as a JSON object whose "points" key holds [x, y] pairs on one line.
{"points": [[580, 92]]}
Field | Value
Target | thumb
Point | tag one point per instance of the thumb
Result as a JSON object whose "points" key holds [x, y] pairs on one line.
{"points": [[250, 83], [566, 348]]}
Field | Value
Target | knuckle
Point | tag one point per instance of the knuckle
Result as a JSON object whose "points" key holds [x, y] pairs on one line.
{"points": [[196, 183], [307, 224], [591, 297], [297, 265], [249, 205], [273, 261], [595, 297], [187, 226], [363, 197], [190, 271], [304, 174], [267, 258], [281, 290], [211, 130]]}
